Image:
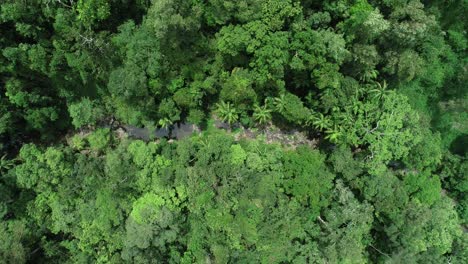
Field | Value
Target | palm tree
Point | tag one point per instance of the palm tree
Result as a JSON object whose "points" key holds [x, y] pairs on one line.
{"points": [[346, 118], [311, 118], [356, 107], [280, 103], [321, 122], [165, 122], [227, 112], [5, 164], [369, 75], [333, 134], [380, 91], [262, 114]]}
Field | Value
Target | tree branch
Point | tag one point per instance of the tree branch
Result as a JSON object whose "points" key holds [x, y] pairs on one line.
{"points": [[378, 250], [322, 221]]}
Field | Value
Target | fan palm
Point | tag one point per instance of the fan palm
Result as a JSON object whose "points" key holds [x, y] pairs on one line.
{"points": [[262, 114], [280, 103], [321, 122], [311, 118], [369, 75], [333, 134], [380, 90], [6, 164], [165, 122], [227, 112]]}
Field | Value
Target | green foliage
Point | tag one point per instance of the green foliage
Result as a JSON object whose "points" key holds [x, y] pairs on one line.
{"points": [[238, 155], [291, 108], [196, 116], [426, 188], [227, 112], [12, 247], [91, 11], [360, 156], [85, 112], [238, 88], [165, 122], [347, 222], [320, 121], [147, 208], [455, 179], [306, 177], [99, 139], [346, 164], [262, 114], [424, 229]]}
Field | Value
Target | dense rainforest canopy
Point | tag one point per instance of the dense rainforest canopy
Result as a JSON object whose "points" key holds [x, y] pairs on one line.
{"points": [[378, 86]]}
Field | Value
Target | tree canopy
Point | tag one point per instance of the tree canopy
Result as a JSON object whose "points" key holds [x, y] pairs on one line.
{"points": [[221, 131]]}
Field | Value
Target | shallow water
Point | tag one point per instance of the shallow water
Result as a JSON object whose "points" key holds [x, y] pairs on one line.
{"points": [[178, 131]]}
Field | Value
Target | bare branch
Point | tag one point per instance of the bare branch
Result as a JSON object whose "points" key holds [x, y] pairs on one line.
{"points": [[64, 4], [385, 254], [322, 221]]}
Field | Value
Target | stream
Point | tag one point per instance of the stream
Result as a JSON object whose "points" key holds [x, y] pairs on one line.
{"points": [[178, 131], [271, 134]]}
